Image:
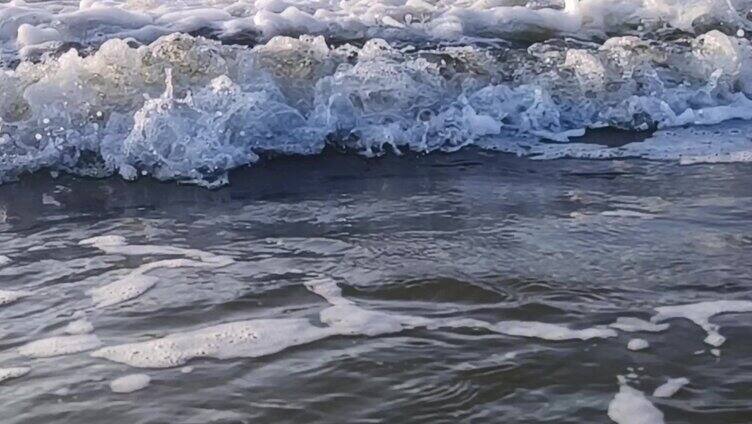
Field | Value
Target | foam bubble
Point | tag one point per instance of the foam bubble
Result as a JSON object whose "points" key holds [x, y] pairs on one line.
{"points": [[670, 387], [638, 344], [60, 345], [130, 383]]}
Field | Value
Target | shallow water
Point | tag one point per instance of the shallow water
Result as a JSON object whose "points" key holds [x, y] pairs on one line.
{"points": [[442, 237]]}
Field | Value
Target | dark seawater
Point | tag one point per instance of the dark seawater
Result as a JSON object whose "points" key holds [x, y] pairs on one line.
{"points": [[466, 235]]}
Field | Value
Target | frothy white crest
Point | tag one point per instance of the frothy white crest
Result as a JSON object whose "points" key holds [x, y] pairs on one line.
{"points": [[39, 25], [4, 260], [700, 314], [190, 109]]}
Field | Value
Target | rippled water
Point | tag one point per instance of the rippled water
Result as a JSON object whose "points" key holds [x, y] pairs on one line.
{"points": [[466, 235]]}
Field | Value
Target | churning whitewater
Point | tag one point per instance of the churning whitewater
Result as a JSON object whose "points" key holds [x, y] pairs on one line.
{"points": [[189, 90]]}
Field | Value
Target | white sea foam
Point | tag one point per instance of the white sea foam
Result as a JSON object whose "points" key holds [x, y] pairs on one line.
{"points": [[34, 25], [190, 109], [632, 325], [261, 337], [137, 282], [242, 339], [4, 260], [79, 326], [630, 406], [10, 296], [130, 383], [700, 313], [14, 372], [670, 387], [638, 344], [60, 345]]}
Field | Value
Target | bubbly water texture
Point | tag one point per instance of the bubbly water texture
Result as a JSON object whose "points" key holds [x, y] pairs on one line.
{"points": [[188, 90]]}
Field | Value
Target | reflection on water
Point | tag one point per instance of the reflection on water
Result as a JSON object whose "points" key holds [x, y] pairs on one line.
{"points": [[470, 237]]}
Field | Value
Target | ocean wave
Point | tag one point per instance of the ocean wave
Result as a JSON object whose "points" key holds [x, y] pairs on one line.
{"points": [[367, 77]]}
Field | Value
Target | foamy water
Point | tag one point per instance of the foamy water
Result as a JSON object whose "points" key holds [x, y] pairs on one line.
{"points": [[470, 287], [189, 90]]}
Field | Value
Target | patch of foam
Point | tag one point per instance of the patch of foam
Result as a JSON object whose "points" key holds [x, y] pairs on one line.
{"points": [[670, 387], [638, 344], [130, 287], [256, 338], [113, 244], [348, 318], [136, 282], [130, 383], [4, 260], [630, 406], [14, 372], [700, 313], [10, 296], [241, 339], [553, 332], [79, 326], [61, 345], [633, 325]]}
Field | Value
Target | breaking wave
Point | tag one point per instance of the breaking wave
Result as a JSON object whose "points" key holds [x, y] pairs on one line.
{"points": [[189, 90]]}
